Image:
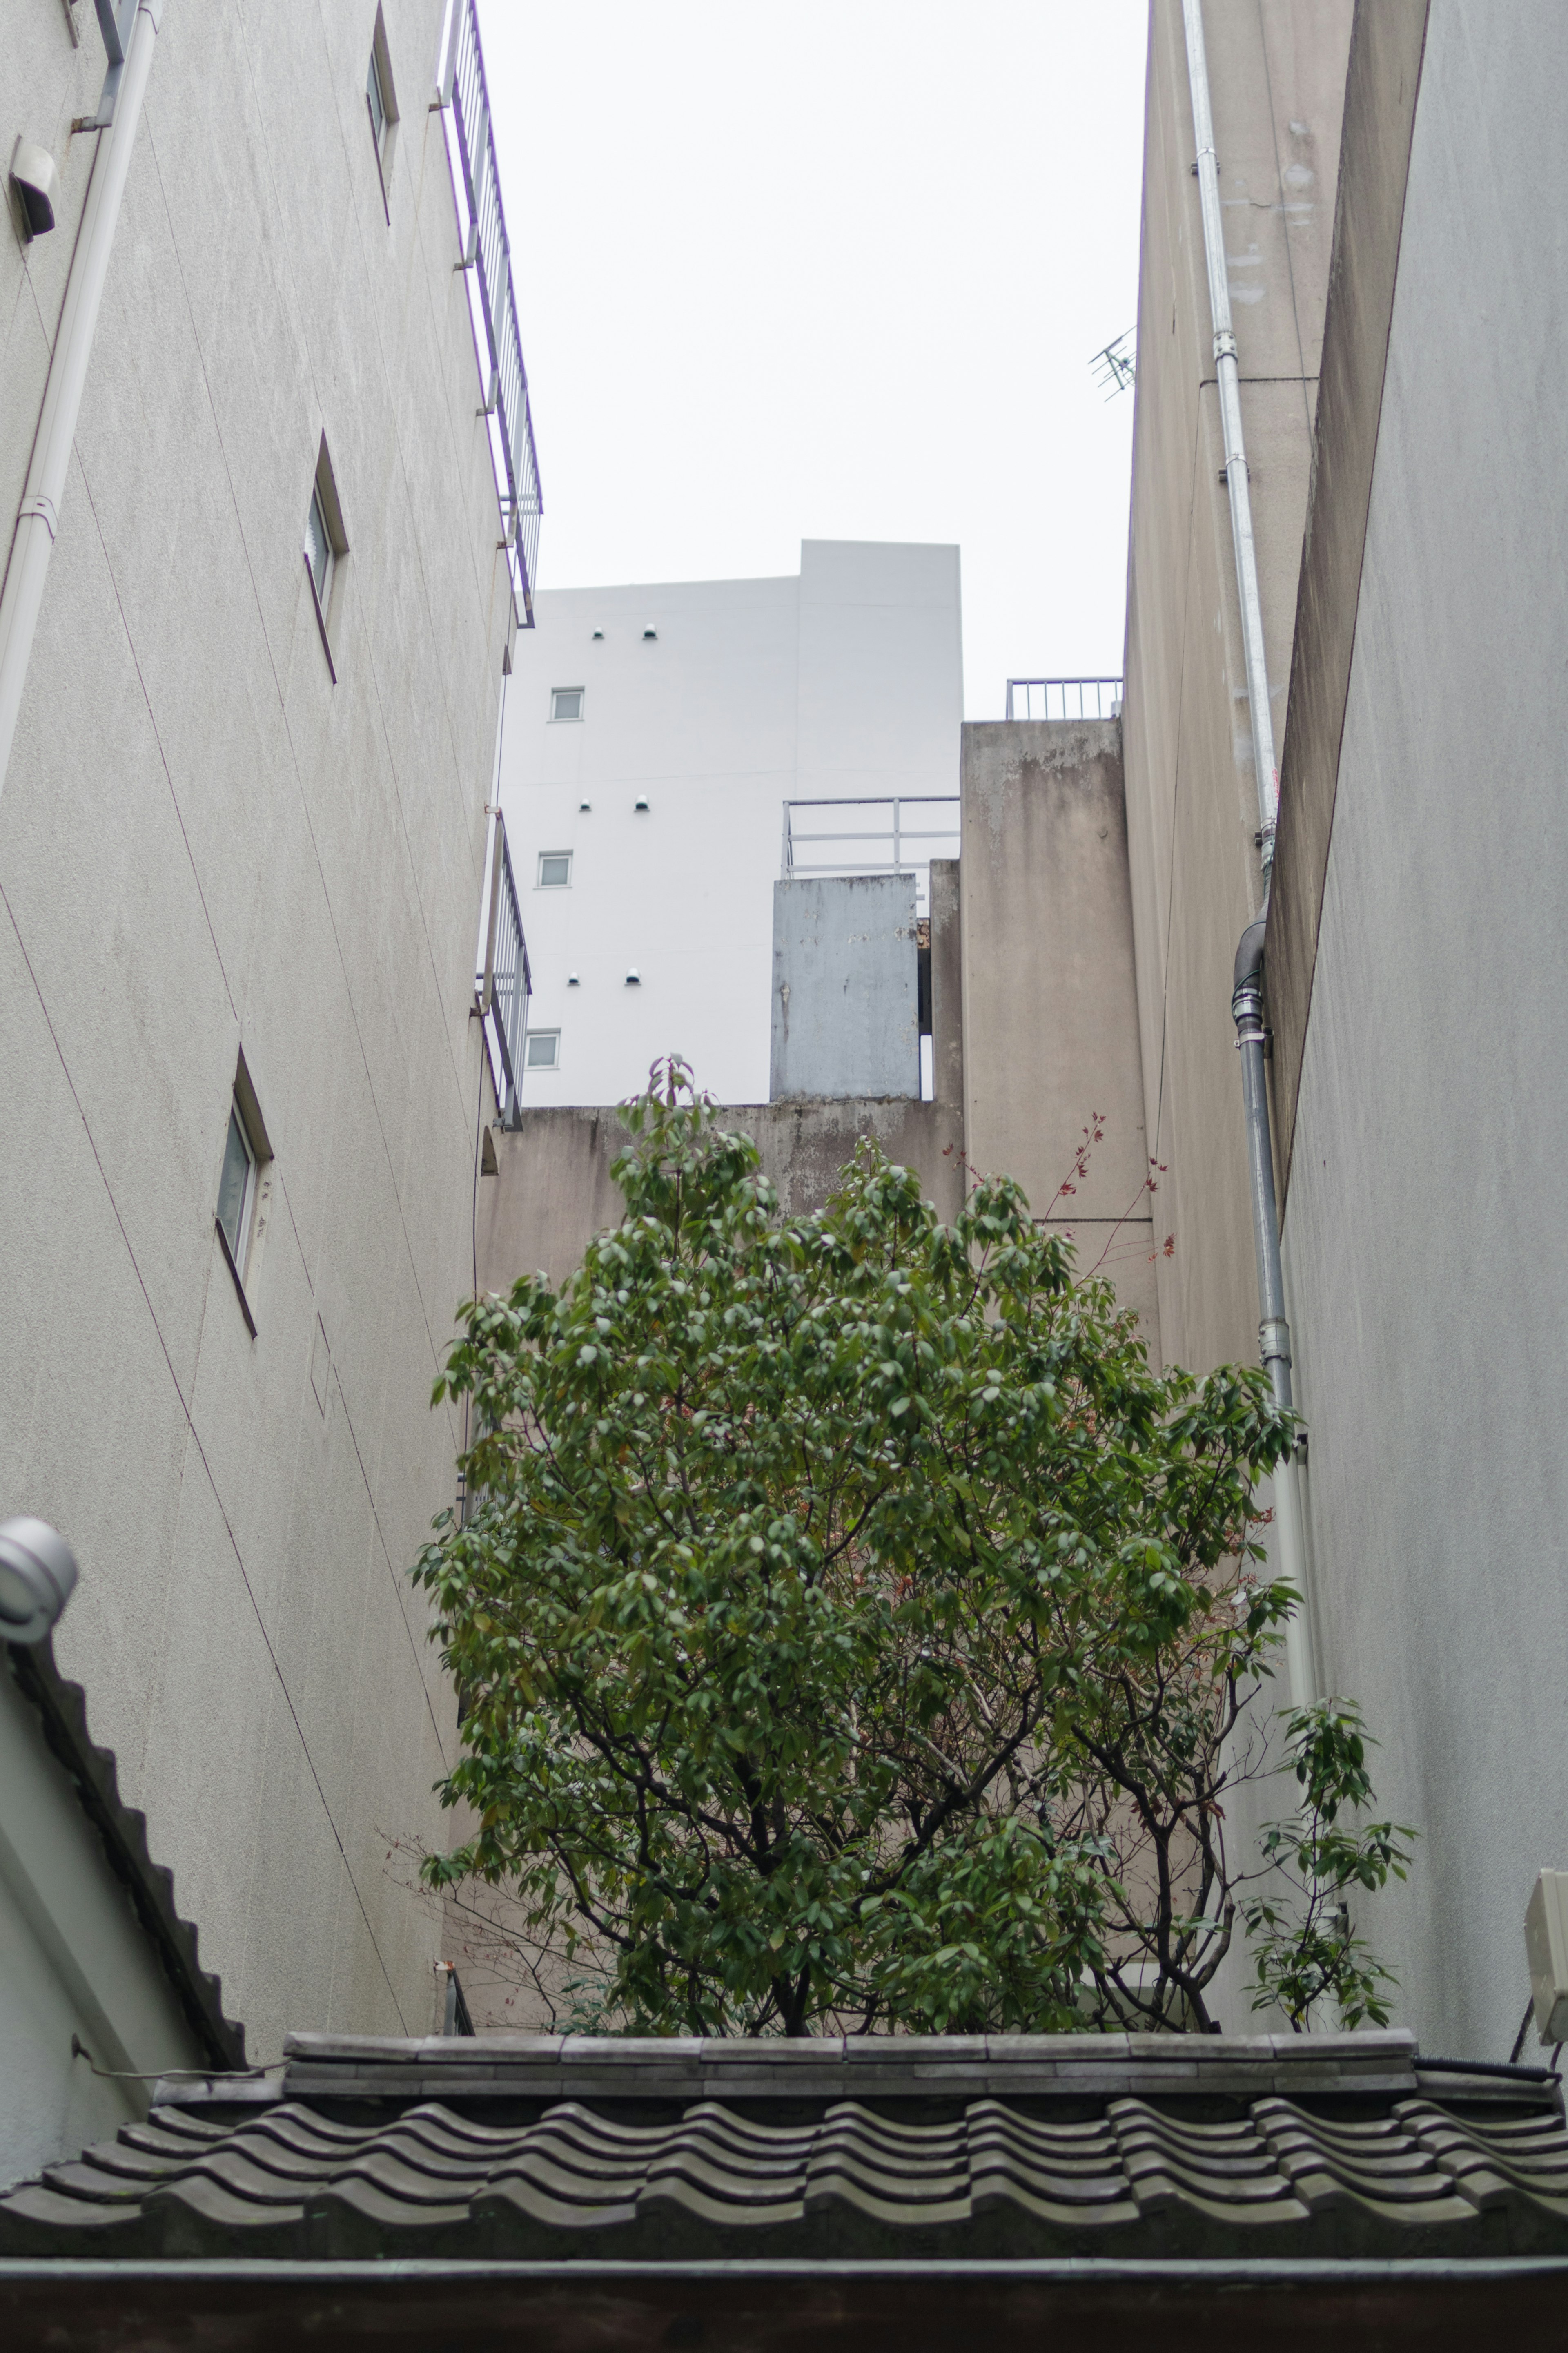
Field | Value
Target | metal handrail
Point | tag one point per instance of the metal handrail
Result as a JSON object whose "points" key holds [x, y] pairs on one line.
{"points": [[1105, 692], [895, 831], [463, 96], [506, 983]]}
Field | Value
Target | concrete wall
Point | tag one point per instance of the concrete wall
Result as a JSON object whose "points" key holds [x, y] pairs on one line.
{"points": [[553, 1190], [1050, 1009], [846, 681], [1428, 1288], [206, 847], [1276, 77], [846, 1014]]}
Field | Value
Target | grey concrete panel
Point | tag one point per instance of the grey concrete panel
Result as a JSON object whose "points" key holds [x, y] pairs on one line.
{"points": [[1050, 1009], [206, 844], [1427, 1284], [845, 1010], [1379, 110]]}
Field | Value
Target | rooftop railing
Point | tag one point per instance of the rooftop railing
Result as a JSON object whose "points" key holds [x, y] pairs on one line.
{"points": [[1064, 698], [465, 102], [899, 834], [506, 983]]}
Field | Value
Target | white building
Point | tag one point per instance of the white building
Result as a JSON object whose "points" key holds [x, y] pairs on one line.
{"points": [[652, 739]]}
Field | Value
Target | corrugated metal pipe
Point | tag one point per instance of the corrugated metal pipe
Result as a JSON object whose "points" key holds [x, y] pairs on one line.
{"points": [[33, 545], [1236, 474], [1290, 1549]]}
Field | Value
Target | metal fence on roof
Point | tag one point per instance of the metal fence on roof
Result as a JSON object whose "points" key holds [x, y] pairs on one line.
{"points": [[894, 834], [464, 98], [1064, 698]]}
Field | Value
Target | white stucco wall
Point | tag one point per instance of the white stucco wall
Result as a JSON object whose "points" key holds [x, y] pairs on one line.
{"points": [[75, 1964], [207, 847], [1427, 1283], [846, 681]]}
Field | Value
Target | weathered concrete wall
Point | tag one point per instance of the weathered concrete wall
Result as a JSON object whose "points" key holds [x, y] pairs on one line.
{"points": [[845, 1011], [1050, 1008], [205, 845], [1276, 76], [1427, 1284], [553, 1190]]}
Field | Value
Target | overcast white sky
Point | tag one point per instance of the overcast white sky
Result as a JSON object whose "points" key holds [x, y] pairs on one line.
{"points": [[832, 270]]}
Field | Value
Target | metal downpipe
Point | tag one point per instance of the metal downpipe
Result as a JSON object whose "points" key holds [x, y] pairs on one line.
{"points": [[32, 543], [1274, 1332], [1237, 480], [1289, 1548]]}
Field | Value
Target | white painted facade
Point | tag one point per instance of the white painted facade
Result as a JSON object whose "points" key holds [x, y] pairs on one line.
{"points": [[845, 682]]}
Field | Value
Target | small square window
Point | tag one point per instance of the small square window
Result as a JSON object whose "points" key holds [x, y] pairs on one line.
{"points": [[566, 702], [554, 870], [543, 1049], [236, 1188]]}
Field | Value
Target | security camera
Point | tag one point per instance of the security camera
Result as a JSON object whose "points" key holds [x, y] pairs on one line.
{"points": [[37, 1576]]}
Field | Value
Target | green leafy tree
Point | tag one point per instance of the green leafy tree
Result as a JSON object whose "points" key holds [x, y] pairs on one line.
{"points": [[1303, 1950], [853, 1629]]}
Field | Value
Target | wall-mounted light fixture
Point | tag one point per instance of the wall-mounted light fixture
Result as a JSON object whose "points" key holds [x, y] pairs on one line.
{"points": [[571, 980], [37, 185], [584, 804], [647, 634], [598, 634], [641, 802], [633, 980], [37, 1578]]}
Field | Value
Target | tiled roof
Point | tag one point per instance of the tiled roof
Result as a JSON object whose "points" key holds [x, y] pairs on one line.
{"points": [[520, 2149]]}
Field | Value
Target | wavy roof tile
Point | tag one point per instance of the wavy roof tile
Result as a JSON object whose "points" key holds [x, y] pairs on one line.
{"points": [[1005, 2148]]}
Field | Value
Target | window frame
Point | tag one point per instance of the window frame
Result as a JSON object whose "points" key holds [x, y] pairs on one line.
{"points": [[528, 1061], [547, 858], [559, 718], [237, 1241]]}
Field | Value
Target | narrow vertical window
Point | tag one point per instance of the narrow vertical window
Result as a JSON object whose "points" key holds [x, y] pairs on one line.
{"points": [[320, 552], [325, 545], [380, 104], [377, 105], [245, 1191]]}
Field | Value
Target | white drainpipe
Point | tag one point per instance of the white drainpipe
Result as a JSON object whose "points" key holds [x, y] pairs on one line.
{"points": [[1236, 474], [1290, 1547], [23, 596]]}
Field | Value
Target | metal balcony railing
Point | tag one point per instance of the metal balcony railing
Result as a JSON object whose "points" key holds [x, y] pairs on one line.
{"points": [[506, 983], [1064, 698], [897, 835], [465, 102]]}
